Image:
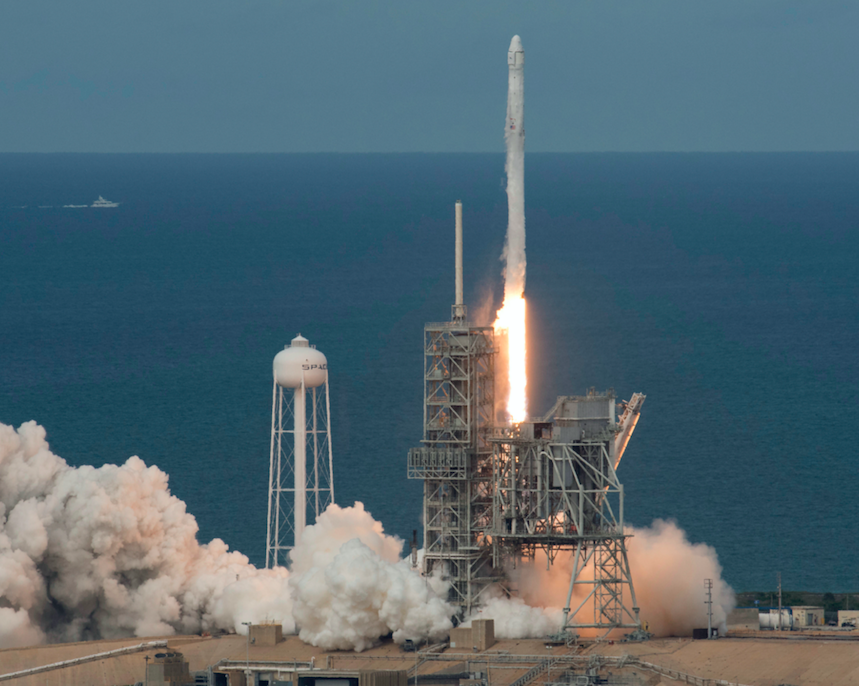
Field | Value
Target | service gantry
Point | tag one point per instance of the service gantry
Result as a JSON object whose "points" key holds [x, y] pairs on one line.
{"points": [[555, 489], [455, 457], [495, 495]]}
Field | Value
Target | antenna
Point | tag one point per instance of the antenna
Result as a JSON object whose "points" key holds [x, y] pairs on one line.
{"points": [[708, 584], [778, 577]]}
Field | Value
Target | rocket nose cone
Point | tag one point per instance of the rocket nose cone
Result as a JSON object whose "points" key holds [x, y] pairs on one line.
{"points": [[516, 45]]}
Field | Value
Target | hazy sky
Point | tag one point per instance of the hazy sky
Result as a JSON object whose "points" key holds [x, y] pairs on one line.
{"points": [[359, 76]]}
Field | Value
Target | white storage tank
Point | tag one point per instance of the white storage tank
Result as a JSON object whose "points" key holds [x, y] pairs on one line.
{"points": [[769, 620], [299, 360]]}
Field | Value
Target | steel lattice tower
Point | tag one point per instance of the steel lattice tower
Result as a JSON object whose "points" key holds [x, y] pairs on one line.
{"points": [[455, 459], [495, 495]]}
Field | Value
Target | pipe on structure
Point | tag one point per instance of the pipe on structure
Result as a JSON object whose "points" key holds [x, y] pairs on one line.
{"points": [[458, 252], [627, 424], [83, 660], [300, 466], [459, 306]]}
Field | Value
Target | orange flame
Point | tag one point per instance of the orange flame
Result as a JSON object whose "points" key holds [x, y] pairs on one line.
{"points": [[511, 319]]}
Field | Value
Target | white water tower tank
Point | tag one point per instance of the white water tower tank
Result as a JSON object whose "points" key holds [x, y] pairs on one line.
{"points": [[297, 359]]}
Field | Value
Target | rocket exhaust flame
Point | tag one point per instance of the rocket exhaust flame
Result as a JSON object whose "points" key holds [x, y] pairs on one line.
{"points": [[511, 320], [511, 316]]}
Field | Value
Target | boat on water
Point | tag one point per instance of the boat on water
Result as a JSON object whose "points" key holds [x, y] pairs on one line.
{"points": [[101, 202]]}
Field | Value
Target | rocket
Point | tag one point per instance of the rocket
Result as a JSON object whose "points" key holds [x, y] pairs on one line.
{"points": [[514, 138], [515, 89]]}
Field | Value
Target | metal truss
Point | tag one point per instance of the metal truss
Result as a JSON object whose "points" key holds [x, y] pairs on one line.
{"points": [[554, 487], [455, 458], [280, 537]]}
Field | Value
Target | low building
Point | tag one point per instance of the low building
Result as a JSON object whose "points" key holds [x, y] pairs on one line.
{"points": [[807, 615], [479, 636], [168, 669], [233, 673], [744, 619], [267, 634], [849, 617]]}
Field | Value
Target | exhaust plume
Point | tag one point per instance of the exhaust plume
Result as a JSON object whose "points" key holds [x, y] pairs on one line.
{"points": [[668, 573], [90, 553], [350, 586]]}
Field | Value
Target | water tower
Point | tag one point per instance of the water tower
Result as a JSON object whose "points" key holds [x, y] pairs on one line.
{"points": [[301, 476]]}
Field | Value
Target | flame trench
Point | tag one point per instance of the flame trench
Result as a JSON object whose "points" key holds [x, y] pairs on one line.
{"points": [[511, 316]]}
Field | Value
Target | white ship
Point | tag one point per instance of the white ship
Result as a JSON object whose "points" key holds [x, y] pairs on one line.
{"points": [[101, 202]]}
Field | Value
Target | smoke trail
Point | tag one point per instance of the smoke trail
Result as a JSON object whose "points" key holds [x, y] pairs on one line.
{"points": [[511, 316], [90, 553]]}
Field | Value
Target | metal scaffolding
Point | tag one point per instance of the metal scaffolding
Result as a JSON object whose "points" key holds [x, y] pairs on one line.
{"points": [[299, 417], [496, 495], [555, 488], [455, 459]]}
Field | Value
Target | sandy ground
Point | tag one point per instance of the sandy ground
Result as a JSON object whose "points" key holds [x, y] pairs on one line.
{"points": [[752, 661]]}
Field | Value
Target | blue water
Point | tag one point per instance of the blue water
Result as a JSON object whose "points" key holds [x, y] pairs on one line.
{"points": [[724, 286]]}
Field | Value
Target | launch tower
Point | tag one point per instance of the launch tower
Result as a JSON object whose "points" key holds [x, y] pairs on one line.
{"points": [[495, 496], [455, 457]]}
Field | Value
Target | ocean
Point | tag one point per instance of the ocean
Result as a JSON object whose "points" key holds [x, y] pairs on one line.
{"points": [[723, 286]]}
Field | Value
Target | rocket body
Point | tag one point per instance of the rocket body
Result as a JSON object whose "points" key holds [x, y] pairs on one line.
{"points": [[514, 136]]}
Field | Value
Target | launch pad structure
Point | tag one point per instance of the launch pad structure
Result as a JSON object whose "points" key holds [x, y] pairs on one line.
{"points": [[494, 496]]}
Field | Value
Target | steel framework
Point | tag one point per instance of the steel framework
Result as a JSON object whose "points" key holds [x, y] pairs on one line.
{"points": [[455, 459], [555, 488], [291, 409]]}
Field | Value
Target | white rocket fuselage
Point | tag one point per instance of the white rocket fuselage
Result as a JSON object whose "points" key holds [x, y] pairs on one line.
{"points": [[514, 136]]}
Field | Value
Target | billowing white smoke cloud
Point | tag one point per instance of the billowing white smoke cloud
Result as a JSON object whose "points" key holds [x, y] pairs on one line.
{"points": [[350, 587], [108, 552], [515, 619], [668, 572]]}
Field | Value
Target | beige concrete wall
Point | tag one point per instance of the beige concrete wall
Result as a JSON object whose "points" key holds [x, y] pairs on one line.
{"points": [[460, 638], [744, 618], [480, 635], [483, 633], [266, 634], [382, 677]]}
